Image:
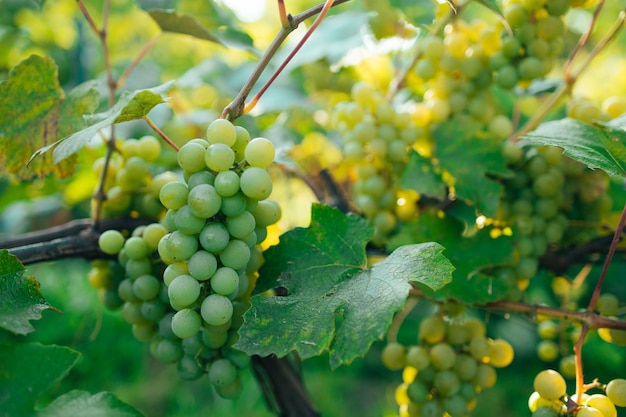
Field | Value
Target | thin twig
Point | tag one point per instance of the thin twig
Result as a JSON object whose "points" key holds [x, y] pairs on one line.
{"points": [[580, 45], [122, 79], [160, 133]]}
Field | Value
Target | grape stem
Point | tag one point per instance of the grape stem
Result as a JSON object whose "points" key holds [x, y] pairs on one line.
{"points": [[238, 107], [160, 133], [392, 334]]}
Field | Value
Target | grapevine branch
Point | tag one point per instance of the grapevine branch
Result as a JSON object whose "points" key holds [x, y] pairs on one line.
{"points": [[236, 107]]}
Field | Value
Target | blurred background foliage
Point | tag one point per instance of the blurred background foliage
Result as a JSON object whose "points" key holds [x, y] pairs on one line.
{"points": [[208, 77]]}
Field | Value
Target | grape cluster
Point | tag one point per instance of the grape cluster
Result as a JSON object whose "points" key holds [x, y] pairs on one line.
{"points": [[188, 278], [550, 398], [543, 202], [376, 140], [445, 372]]}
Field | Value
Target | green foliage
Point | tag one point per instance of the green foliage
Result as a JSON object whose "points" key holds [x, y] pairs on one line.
{"points": [[335, 301], [81, 403], [34, 112], [20, 299], [597, 146]]}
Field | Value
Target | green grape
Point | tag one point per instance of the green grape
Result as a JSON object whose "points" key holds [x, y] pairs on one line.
{"points": [[148, 148], [243, 137], [256, 183], [616, 391], [550, 384], [200, 177], [432, 408], [188, 368], [131, 312], [547, 350], [455, 406], [603, 404], [137, 267], [204, 201], [567, 366], [187, 222], [214, 237], [214, 340], [193, 346], [259, 152], [479, 347], [587, 411], [230, 391], [186, 323], [608, 304], [235, 255], [393, 356], [234, 205], [191, 157], [457, 334], [475, 327], [465, 367], [442, 356], [447, 383], [241, 225], [153, 310], [417, 357], [266, 213], [173, 270], [136, 248], [219, 157], [202, 265], [111, 242], [545, 412], [485, 376], [226, 183], [183, 291], [146, 287], [173, 195], [432, 329], [168, 351], [144, 332], [152, 234], [216, 309], [180, 246], [225, 281], [221, 131], [125, 291], [418, 391], [501, 354]]}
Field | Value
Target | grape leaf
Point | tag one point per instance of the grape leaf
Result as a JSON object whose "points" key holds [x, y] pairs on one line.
{"points": [[20, 299], [335, 302], [28, 370], [131, 106], [473, 162], [598, 147], [34, 112], [83, 404], [419, 174], [468, 255], [184, 24]]}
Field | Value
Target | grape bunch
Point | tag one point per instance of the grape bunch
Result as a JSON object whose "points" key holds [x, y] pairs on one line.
{"points": [[444, 373], [545, 204], [376, 140], [550, 399], [188, 278]]}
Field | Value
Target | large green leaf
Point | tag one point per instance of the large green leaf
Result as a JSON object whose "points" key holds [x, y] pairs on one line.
{"points": [[473, 162], [335, 302], [28, 370], [598, 147], [131, 106], [185, 24], [82, 404], [469, 255], [20, 299], [34, 112]]}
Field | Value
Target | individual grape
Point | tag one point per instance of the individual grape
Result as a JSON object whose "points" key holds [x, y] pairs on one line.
{"points": [[485, 376], [186, 323], [188, 223], [235, 255], [111, 242], [213, 339], [200, 177], [219, 157], [184, 290], [136, 248], [479, 347], [241, 225], [393, 356], [256, 183], [235, 205], [230, 391], [146, 287], [226, 183], [418, 391], [432, 329], [501, 354], [191, 157], [225, 281], [608, 304], [442, 356], [465, 367], [267, 212], [131, 312], [221, 131], [152, 234], [204, 201], [417, 357], [188, 368], [137, 267], [447, 383], [144, 332], [603, 404], [259, 152], [616, 391], [202, 265], [168, 351], [173, 195], [243, 137], [545, 412], [547, 350], [180, 246], [216, 309], [214, 237], [550, 384], [222, 372], [153, 310]]}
